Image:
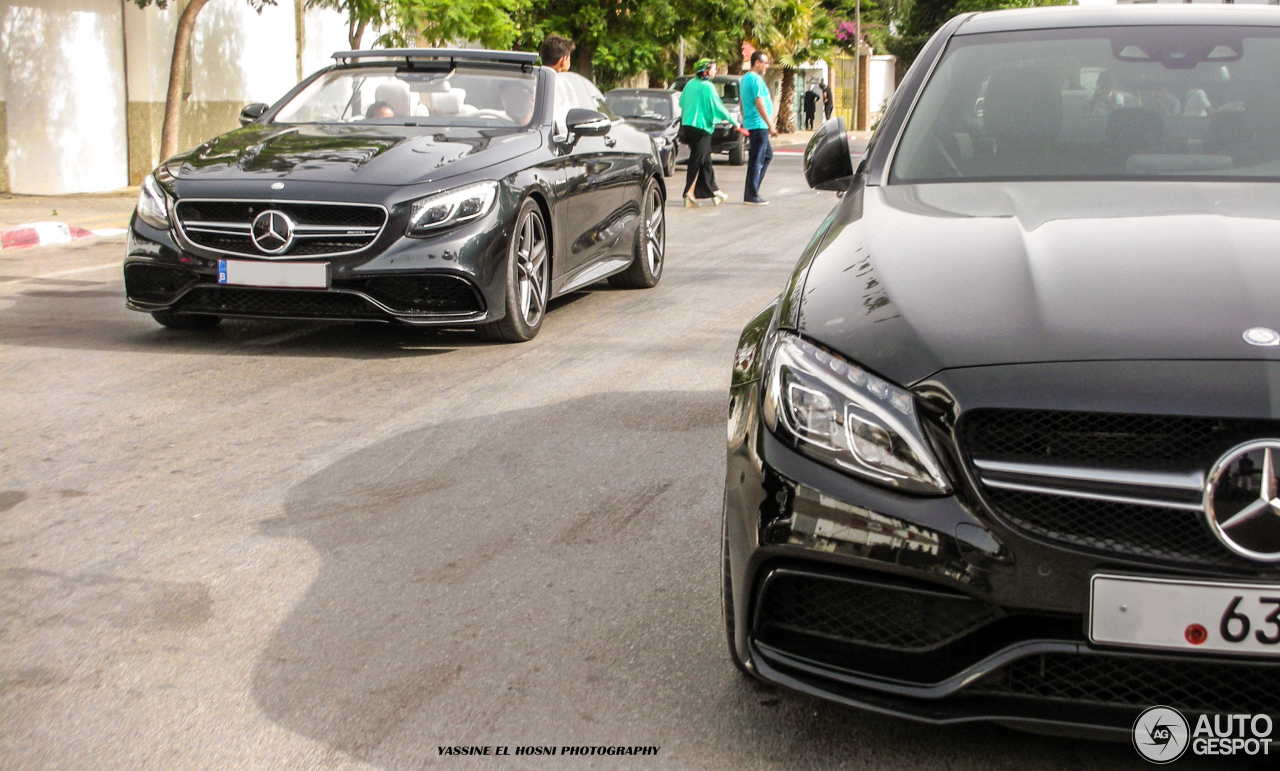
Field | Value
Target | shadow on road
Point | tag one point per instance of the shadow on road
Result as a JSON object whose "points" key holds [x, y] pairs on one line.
{"points": [[548, 576], [91, 316]]}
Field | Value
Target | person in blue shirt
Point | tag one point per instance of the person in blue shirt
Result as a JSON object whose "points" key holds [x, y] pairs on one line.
{"points": [[757, 119]]}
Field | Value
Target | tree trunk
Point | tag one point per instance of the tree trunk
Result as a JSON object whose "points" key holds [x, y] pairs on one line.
{"points": [[583, 53], [355, 33], [177, 74], [786, 102]]}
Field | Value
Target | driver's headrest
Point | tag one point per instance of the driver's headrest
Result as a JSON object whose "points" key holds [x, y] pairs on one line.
{"points": [[447, 102], [394, 94], [1023, 103]]}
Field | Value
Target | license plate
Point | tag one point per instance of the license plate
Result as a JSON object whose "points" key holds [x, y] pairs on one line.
{"points": [[296, 275], [1185, 615]]}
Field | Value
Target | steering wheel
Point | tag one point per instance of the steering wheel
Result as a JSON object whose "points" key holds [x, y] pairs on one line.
{"points": [[494, 115]]}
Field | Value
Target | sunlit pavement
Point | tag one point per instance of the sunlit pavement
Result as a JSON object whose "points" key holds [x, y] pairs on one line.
{"points": [[285, 545]]}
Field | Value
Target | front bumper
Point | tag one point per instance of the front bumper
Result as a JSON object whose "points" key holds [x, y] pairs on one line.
{"points": [[933, 610], [455, 279]]}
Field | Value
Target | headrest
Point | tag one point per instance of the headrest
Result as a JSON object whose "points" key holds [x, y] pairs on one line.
{"points": [[394, 94], [1022, 104], [447, 102]]}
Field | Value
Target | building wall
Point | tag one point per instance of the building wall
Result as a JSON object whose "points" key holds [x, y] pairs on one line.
{"points": [[66, 125], [880, 86], [64, 89]]}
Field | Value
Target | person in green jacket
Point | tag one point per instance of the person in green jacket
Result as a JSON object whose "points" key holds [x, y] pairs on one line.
{"points": [[700, 111]]}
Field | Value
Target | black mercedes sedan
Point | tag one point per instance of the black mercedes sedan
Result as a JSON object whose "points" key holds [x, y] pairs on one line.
{"points": [[422, 187], [656, 112], [1007, 445]]}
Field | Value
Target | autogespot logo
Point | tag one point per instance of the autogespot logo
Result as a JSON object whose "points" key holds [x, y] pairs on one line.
{"points": [[1161, 734]]}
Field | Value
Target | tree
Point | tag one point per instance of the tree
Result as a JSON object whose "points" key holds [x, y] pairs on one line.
{"points": [[439, 23], [915, 21], [361, 14], [803, 32], [178, 67]]}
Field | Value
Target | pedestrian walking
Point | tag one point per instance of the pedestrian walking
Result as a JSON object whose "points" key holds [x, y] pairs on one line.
{"points": [[757, 119], [700, 110], [828, 102], [811, 99]]}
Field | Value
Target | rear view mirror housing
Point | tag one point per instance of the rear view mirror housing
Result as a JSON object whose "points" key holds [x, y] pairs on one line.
{"points": [[828, 164], [252, 112], [587, 123]]}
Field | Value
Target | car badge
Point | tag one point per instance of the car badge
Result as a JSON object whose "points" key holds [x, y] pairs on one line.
{"points": [[272, 231], [1261, 336], [1242, 500], [277, 186]]}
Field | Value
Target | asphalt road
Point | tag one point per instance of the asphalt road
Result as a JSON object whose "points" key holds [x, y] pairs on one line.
{"points": [[285, 545]]}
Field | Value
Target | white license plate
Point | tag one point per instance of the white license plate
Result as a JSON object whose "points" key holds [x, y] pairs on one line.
{"points": [[297, 275], [1185, 615]]}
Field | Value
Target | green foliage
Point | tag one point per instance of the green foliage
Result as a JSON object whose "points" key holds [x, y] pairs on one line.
{"points": [[915, 21], [257, 5], [435, 23]]}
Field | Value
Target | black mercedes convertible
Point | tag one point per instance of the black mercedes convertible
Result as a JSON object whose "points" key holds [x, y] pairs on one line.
{"points": [[422, 187]]}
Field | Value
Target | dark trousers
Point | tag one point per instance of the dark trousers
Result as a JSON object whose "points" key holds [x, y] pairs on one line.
{"points": [[808, 118], [700, 180], [757, 163]]}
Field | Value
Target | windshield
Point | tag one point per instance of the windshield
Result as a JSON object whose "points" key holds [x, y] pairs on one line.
{"points": [[653, 106], [1112, 102], [398, 96], [727, 88]]}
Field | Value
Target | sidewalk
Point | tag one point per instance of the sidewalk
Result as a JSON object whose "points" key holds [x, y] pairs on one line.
{"points": [[79, 213]]}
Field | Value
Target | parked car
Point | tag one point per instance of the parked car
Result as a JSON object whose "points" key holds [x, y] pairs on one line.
{"points": [[422, 187], [724, 139], [1007, 446], [654, 111]]}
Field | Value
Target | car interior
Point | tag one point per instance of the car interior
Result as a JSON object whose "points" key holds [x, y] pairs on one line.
{"points": [[1098, 107]]}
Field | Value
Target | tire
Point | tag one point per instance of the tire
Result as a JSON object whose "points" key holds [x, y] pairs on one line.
{"points": [[186, 320], [737, 153], [726, 596], [528, 279], [649, 252], [669, 168]]}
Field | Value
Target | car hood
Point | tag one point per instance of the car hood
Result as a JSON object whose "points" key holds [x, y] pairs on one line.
{"points": [[350, 153], [913, 279], [648, 125]]}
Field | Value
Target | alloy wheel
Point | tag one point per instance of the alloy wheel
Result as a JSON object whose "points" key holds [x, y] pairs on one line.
{"points": [[655, 217], [531, 268]]}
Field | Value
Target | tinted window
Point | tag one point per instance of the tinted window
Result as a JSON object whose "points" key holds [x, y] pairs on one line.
{"points": [[1115, 102], [652, 106]]}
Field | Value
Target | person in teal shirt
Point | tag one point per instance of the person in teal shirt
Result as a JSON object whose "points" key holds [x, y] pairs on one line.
{"points": [[700, 111], [757, 119]]}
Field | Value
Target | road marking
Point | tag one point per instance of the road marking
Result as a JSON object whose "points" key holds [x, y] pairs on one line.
{"points": [[61, 273]]}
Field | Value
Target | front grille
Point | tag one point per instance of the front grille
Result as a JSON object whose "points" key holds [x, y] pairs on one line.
{"points": [[156, 283], [1104, 439], [1140, 681], [425, 294], [864, 613], [1139, 531], [289, 303], [1032, 442], [319, 228]]}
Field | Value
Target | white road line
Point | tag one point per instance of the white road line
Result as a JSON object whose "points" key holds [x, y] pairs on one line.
{"points": [[61, 273]]}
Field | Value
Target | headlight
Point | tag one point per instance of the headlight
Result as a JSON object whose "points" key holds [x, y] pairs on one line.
{"points": [[452, 207], [843, 416], [153, 206]]}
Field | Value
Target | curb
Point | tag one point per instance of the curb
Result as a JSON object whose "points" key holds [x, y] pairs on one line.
{"points": [[45, 233]]}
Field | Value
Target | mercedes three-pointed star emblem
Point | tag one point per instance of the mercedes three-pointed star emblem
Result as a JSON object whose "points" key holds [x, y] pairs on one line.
{"points": [[272, 231], [1242, 500]]}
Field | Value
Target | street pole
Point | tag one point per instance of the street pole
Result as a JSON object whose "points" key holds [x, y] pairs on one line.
{"points": [[857, 63], [680, 65]]}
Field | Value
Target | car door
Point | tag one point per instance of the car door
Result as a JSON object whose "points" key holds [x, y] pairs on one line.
{"points": [[594, 181]]}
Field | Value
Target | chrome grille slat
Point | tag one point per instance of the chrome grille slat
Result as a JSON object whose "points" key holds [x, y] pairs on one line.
{"points": [[226, 224]]}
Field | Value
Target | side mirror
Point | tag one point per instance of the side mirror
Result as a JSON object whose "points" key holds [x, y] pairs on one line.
{"points": [[251, 113], [828, 164], [587, 123]]}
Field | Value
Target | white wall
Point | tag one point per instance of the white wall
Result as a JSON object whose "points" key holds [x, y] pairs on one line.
{"points": [[880, 82], [64, 83]]}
